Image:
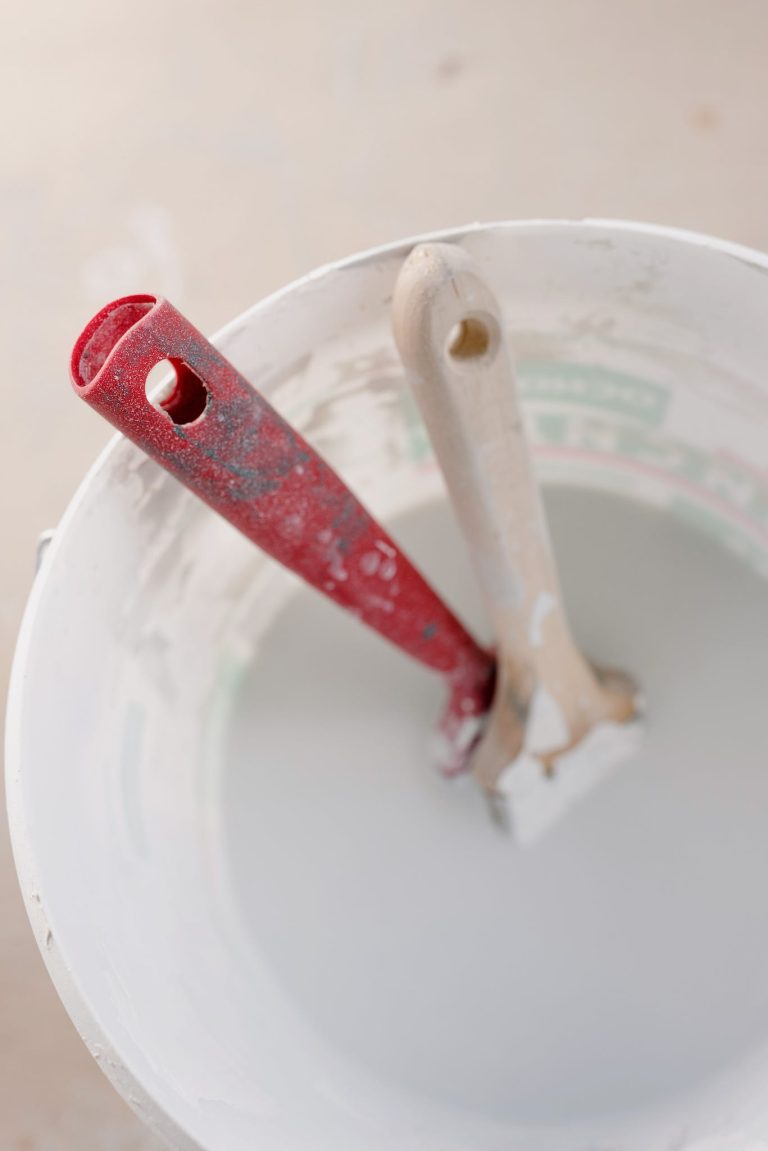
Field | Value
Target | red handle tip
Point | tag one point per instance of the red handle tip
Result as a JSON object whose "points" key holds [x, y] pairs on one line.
{"points": [[100, 336]]}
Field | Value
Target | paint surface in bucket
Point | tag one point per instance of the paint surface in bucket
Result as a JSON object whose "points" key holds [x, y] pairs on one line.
{"points": [[641, 357], [613, 967]]}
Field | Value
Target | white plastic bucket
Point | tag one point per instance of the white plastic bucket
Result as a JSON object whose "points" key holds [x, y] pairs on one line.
{"points": [[157, 890]]}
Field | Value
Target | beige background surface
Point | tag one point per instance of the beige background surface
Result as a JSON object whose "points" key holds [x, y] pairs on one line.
{"points": [[213, 151]]}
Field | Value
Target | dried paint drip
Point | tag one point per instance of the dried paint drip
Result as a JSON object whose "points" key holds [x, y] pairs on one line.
{"points": [[556, 723], [229, 446]]}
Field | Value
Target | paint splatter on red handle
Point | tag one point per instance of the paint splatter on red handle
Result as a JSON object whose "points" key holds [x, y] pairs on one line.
{"points": [[229, 446]]}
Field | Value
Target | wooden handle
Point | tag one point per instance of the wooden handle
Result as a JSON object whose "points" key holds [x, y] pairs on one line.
{"points": [[450, 334], [225, 442], [449, 330]]}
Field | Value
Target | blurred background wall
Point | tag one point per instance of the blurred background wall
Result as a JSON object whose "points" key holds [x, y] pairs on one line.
{"points": [[214, 151]]}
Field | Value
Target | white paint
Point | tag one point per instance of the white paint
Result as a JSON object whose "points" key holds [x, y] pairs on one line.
{"points": [[566, 1022], [536, 801], [447, 754], [531, 800], [547, 728], [544, 603], [273, 932]]}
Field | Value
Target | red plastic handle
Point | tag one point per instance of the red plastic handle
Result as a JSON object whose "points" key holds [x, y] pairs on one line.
{"points": [[229, 446]]}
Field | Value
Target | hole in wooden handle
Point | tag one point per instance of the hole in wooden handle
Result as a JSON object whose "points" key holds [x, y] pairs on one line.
{"points": [[473, 338]]}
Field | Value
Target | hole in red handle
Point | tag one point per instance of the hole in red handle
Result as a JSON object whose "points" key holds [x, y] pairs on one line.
{"points": [[172, 387]]}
